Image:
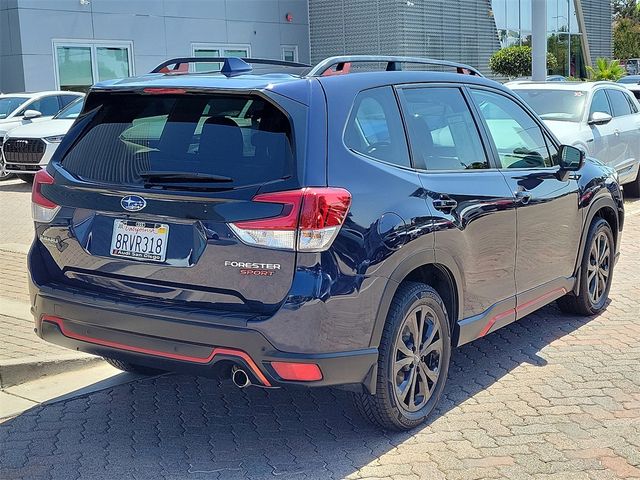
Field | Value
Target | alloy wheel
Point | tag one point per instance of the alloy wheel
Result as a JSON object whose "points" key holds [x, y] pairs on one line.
{"points": [[599, 267], [416, 364]]}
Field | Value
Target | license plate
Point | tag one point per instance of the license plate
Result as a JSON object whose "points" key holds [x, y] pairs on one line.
{"points": [[141, 240]]}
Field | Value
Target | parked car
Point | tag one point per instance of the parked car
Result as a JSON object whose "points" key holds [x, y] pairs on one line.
{"points": [[28, 148], [633, 79], [344, 230], [18, 108], [634, 89], [600, 118], [25, 108]]}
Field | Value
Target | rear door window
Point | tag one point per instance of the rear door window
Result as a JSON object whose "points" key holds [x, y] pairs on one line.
{"points": [[375, 128], [240, 140]]}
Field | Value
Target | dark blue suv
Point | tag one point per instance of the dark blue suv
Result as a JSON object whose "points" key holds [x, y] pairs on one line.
{"points": [[325, 226]]}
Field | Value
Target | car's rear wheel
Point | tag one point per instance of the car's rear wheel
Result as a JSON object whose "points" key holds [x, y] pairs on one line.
{"points": [[25, 177], [413, 360], [133, 367], [596, 272]]}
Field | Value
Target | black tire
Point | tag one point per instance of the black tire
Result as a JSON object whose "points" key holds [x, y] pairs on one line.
{"points": [[586, 303], [132, 367], [386, 408], [25, 177], [632, 189]]}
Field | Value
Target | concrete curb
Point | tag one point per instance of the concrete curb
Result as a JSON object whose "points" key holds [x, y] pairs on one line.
{"points": [[25, 369], [21, 370]]}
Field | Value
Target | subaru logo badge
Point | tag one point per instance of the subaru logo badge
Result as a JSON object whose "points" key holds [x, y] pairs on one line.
{"points": [[133, 203]]}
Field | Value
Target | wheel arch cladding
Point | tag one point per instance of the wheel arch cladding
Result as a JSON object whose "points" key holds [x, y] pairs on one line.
{"points": [[437, 276]]}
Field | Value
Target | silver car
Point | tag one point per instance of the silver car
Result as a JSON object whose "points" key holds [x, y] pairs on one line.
{"points": [[600, 118]]}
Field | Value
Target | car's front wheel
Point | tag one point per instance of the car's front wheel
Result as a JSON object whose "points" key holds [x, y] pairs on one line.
{"points": [[413, 360], [4, 175], [596, 272]]}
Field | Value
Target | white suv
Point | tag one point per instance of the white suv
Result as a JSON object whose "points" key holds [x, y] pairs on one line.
{"points": [[25, 108], [600, 118], [27, 148]]}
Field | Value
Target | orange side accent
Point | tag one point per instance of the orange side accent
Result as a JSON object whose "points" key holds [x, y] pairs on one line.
{"points": [[158, 353]]}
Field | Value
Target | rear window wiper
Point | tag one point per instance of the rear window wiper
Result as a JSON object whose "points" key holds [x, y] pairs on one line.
{"points": [[175, 176]]}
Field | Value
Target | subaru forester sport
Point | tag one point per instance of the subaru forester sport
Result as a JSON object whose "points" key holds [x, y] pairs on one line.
{"points": [[342, 225]]}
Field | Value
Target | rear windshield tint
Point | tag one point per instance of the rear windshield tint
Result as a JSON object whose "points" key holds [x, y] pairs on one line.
{"points": [[244, 138]]}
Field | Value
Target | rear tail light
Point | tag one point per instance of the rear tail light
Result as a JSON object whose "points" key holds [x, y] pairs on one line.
{"points": [[309, 222], [42, 209]]}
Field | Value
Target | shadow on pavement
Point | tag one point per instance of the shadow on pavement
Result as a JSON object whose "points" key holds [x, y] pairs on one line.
{"points": [[14, 186], [179, 426]]}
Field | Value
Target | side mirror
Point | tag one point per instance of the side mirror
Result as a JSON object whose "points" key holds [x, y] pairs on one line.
{"points": [[571, 158], [599, 118], [29, 114]]}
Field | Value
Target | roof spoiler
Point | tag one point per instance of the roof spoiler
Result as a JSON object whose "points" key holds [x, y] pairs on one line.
{"points": [[231, 66]]}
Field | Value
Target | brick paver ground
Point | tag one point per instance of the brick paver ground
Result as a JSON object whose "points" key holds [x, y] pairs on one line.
{"points": [[551, 396]]}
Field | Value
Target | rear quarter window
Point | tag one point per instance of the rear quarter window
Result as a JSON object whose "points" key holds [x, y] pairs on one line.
{"points": [[375, 127], [244, 138]]}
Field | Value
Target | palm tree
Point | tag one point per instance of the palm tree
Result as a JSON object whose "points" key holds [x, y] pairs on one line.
{"points": [[606, 70]]}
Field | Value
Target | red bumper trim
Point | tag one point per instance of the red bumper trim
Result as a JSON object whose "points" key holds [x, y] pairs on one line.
{"points": [[519, 308], [232, 352]]}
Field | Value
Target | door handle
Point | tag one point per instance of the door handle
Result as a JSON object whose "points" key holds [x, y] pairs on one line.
{"points": [[446, 205], [523, 196], [616, 132]]}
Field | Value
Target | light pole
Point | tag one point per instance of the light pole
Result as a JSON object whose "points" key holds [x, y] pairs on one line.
{"points": [[539, 40]]}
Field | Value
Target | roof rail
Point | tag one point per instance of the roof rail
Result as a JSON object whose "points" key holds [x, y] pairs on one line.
{"points": [[231, 65], [394, 63]]}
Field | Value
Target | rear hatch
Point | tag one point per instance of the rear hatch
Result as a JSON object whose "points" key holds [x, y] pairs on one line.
{"points": [[151, 185]]}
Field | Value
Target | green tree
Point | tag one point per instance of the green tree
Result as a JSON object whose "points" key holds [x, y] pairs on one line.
{"points": [[626, 38], [626, 9], [515, 61], [606, 70]]}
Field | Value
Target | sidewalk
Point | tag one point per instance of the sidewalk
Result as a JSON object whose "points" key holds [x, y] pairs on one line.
{"points": [[24, 356]]}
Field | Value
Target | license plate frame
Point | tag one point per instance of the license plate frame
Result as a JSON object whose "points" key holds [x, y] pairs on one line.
{"points": [[139, 240]]}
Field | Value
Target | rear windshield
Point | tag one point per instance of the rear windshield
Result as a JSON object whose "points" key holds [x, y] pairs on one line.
{"points": [[160, 140]]}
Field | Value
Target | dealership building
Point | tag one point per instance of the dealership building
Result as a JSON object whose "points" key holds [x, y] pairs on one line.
{"points": [[71, 44]]}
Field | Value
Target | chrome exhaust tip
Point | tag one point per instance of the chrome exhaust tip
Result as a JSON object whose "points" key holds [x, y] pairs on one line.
{"points": [[240, 377]]}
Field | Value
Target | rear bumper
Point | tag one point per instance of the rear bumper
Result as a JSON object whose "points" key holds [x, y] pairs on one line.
{"points": [[175, 341]]}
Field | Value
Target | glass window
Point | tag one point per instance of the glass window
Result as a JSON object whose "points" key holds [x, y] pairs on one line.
{"points": [[74, 68], [442, 132], [217, 51], [241, 139], [47, 106], [562, 105], [619, 103], [9, 104], [632, 104], [67, 99], [80, 66], [289, 53], [517, 137], [599, 103], [72, 110], [375, 128], [113, 62]]}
